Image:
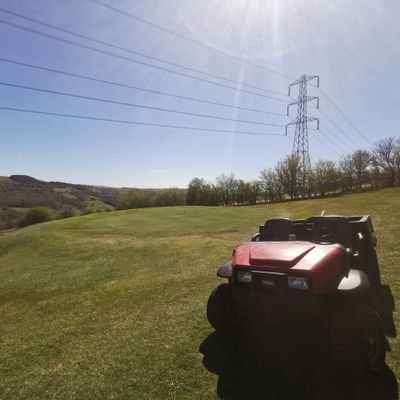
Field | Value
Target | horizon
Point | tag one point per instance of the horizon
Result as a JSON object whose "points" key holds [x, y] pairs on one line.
{"points": [[90, 184]]}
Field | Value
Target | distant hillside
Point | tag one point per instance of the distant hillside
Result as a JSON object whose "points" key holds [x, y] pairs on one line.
{"points": [[22, 191]]}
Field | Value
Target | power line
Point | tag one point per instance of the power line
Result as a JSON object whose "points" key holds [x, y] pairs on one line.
{"points": [[347, 136], [345, 117], [314, 156], [123, 85], [147, 11], [337, 138], [187, 38], [329, 138], [103, 100], [324, 144], [94, 49], [135, 52], [128, 122]]}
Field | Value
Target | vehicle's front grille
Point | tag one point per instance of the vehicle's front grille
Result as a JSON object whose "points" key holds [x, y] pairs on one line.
{"points": [[270, 282]]}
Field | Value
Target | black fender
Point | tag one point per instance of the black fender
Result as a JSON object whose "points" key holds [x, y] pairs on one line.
{"points": [[225, 270], [355, 287], [356, 280]]}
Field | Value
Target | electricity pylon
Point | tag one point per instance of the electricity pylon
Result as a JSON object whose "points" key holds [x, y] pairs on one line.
{"points": [[300, 141]]}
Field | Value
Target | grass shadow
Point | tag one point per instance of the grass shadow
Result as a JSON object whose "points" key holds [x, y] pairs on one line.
{"points": [[246, 371]]}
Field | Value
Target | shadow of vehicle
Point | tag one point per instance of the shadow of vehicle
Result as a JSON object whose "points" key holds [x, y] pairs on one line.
{"points": [[248, 371]]}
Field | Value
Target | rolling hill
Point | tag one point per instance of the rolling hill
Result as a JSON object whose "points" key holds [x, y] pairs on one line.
{"points": [[22, 191]]}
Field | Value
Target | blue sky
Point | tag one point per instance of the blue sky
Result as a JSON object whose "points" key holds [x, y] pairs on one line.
{"points": [[353, 46]]}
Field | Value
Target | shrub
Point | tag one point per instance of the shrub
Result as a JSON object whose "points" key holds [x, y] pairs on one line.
{"points": [[35, 215], [68, 212], [8, 218]]}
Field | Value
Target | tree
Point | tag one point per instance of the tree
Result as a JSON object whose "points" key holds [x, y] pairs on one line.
{"points": [[397, 159], [194, 192], [377, 176], [68, 212], [135, 198], [268, 184], [167, 197], [215, 197], [332, 176], [289, 172], [325, 177], [228, 186], [242, 191], [384, 153], [361, 161], [320, 178], [35, 215], [254, 190], [347, 171]]}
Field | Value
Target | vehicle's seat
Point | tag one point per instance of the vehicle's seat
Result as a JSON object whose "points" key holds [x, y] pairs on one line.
{"points": [[277, 229], [332, 229]]}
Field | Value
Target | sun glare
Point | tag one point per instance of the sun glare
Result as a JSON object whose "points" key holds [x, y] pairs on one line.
{"points": [[250, 27]]}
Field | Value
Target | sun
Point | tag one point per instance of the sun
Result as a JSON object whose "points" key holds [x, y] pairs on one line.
{"points": [[249, 28]]}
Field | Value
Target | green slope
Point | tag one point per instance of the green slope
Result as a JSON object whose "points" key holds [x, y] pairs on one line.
{"points": [[113, 305]]}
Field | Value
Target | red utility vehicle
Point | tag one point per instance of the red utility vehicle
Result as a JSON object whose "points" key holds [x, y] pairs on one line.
{"points": [[317, 275]]}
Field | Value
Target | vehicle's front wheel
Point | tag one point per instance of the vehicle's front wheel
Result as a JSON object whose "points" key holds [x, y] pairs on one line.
{"points": [[358, 342], [222, 311], [373, 339]]}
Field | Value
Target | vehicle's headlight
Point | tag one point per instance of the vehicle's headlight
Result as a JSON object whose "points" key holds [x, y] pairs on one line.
{"points": [[297, 282], [244, 277]]}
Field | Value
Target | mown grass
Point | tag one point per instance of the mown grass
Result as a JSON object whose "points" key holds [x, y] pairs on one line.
{"points": [[113, 305]]}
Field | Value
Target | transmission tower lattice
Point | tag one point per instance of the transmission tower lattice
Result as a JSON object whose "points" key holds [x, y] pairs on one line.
{"points": [[300, 141]]}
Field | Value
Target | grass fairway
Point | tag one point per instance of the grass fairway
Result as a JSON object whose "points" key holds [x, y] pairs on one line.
{"points": [[113, 305]]}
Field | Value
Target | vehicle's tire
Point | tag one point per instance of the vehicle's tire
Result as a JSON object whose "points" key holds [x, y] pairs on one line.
{"points": [[345, 349], [373, 343], [222, 311], [358, 343]]}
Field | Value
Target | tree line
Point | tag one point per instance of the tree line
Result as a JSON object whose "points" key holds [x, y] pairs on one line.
{"points": [[140, 198], [355, 171]]}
